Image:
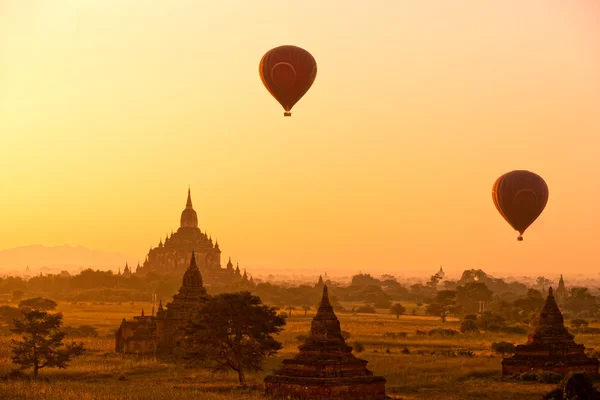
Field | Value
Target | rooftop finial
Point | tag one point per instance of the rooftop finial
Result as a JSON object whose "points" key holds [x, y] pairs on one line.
{"points": [[188, 204]]}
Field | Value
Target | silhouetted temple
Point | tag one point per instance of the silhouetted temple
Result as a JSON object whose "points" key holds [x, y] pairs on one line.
{"points": [[325, 367], [172, 256], [164, 332], [550, 348]]}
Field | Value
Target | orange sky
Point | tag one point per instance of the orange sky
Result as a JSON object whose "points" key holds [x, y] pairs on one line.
{"points": [[110, 108]]}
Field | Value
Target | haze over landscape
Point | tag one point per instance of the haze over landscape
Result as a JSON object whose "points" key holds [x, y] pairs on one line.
{"points": [[110, 109]]}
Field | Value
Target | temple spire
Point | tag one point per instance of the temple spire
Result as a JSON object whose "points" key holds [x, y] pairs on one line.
{"points": [[192, 276], [188, 204], [325, 306]]}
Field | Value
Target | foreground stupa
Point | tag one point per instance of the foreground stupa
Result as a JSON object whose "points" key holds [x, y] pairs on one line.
{"points": [[550, 348], [325, 367]]}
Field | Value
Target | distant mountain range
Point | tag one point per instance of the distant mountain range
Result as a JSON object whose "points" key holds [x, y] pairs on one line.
{"points": [[57, 258]]}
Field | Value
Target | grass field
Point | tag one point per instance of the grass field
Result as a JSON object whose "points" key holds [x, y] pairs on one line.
{"points": [[430, 371]]}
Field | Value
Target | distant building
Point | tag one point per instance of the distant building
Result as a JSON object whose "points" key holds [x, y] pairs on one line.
{"points": [[163, 334], [441, 272], [172, 257], [561, 292]]}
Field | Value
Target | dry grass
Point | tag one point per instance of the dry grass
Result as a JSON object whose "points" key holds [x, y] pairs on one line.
{"points": [[428, 372]]}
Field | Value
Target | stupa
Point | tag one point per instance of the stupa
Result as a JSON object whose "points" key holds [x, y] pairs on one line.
{"points": [[325, 367], [550, 348]]}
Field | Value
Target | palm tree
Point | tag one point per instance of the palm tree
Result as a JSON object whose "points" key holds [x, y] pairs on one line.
{"points": [[290, 309], [306, 309]]}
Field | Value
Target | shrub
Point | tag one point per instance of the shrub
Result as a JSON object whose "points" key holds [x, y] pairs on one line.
{"points": [[527, 376], [443, 332], [421, 333], [503, 348], [549, 377], [470, 317], [469, 325], [358, 347], [517, 330], [366, 309], [579, 323]]}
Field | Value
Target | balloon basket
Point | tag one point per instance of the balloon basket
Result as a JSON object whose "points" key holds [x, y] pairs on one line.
{"points": [[520, 239], [287, 114]]}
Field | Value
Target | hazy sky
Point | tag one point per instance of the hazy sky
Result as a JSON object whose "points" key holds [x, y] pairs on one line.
{"points": [[110, 108]]}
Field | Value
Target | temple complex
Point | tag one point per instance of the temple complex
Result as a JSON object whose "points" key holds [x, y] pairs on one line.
{"points": [[163, 333], [550, 348], [172, 256], [325, 367]]}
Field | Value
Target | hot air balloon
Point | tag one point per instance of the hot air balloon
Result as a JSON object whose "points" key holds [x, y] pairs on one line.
{"points": [[287, 72], [520, 197]]}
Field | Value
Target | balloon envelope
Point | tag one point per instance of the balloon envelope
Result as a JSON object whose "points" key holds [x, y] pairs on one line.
{"points": [[520, 197], [287, 72]]}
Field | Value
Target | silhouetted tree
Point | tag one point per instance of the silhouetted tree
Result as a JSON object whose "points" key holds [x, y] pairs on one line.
{"points": [[290, 309], [9, 314], [42, 344], [306, 309], [397, 309], [442, 305], [469, 296], [233, 332], [38, 303], [578, 323], [580, 299]]}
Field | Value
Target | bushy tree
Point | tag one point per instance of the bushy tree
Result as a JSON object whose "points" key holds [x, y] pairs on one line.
{"points": [[9, 314], [17, 295], [469, 325], [579, 323], [38, 303], [42, 344], [397, 309], [233, 331], [469, 295], [443, 304], [503, 348]]}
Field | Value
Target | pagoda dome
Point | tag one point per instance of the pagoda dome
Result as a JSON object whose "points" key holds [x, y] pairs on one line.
{"points": [[189, 218]]}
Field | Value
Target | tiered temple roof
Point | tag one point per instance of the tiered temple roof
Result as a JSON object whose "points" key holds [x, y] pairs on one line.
{"points": [[325, 367], [550, 348], [191, 294]]}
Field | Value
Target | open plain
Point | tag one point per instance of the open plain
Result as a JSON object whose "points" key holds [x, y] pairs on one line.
{"points": [[459, 367]]}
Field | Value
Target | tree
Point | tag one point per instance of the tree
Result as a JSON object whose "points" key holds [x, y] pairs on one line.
{"points": [[433, 281], [306, 309], [42, 344], [580, 299], [443, 304], [290, 309], [532, 302], [542, 282], [17, 295], [469, 296], [233, 331], [397, 309], [38, 303], [9, 314], [578, 323]]}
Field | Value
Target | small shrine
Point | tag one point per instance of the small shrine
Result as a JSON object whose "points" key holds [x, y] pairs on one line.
{"points": [[325, 367], [550, 348]]}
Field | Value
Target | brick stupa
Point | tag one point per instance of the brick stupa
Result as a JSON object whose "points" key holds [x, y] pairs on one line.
{"points": [[325, 367], [550, 348]]}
